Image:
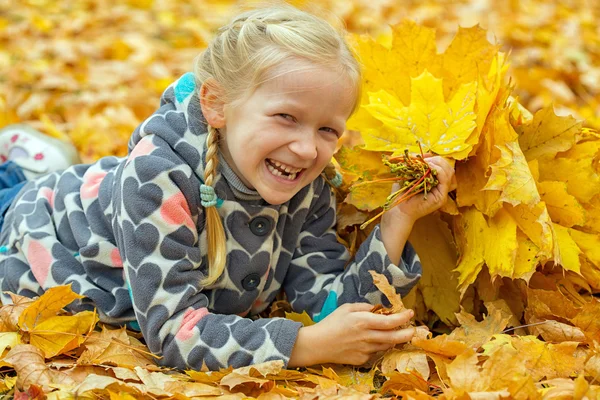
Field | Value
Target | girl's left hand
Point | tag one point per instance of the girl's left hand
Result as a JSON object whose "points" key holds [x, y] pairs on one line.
{"points": [[417, 207]]}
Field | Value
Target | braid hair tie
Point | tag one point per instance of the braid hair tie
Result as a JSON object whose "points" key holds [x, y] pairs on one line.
{"points": [[336, 181], [208, 196]]}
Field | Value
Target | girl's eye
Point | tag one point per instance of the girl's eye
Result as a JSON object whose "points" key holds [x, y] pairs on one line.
{"points": [[288, 117], [326, 129]]}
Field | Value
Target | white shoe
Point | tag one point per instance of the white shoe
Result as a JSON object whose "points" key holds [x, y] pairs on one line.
{"points": [[37, 154]]}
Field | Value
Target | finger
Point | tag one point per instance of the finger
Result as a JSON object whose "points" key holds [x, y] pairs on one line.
{"points": [[453, 183], [387, 322], [358, 307], [377, 347], [392, 336], [441, 166]]}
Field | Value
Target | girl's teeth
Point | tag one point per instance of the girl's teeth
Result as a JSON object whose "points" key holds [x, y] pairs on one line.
{"points": [[291, 175]]}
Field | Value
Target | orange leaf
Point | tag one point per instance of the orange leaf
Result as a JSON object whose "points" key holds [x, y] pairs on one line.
{"points": [[47, 305], [389, 291]]}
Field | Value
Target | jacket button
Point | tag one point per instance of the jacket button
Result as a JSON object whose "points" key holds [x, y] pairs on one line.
{"points": [[260, 226], [251, 281]]}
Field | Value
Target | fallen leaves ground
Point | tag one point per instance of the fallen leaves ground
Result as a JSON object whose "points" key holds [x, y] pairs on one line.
{"points": [[516, 320]]}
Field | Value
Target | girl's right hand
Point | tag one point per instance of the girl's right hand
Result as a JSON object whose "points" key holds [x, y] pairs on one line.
{"points": [[350, 335]]}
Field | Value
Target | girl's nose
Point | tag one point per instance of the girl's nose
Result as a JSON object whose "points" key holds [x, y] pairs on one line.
{"points": [[305, 146]]}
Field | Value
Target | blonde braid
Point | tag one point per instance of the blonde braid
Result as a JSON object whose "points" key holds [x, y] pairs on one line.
{"points": [[215, 234]]}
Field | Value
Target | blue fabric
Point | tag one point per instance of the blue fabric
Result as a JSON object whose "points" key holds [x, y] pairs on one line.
{"points": [[12, 181], [185, 86], [329, 307]]}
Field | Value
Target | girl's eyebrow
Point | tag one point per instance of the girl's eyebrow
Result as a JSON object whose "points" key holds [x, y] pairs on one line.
{"points": [[286, 102]]}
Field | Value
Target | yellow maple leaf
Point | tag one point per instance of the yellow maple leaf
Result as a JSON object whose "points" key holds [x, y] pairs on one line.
{"points": [[502, 370], [412, 49], [541, 359], [566, 250], [592, 209], [303, 318], [361, 163], [477, 240], [487, 95], [472, 174], [405, 361], [548, 134], [47, 306], [475, 333], [577, 168], [562, 207], [536, 224], [439, 127], [369, 196], [468, 56], [60, 334], [511, 176], [464, 373], [438, 283]]}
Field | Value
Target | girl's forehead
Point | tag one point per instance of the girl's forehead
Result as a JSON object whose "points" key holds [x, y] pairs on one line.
{"points": [[304, 77]]}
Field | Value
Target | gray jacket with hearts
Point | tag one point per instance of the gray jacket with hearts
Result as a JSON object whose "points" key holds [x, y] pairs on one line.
{"points": [[128, 234]]}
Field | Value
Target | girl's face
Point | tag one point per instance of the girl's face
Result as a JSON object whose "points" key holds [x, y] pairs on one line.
{"points": [[281, 137]]}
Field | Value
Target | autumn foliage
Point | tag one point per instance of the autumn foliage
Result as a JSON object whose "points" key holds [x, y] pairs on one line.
{"points": [[508, 303]]}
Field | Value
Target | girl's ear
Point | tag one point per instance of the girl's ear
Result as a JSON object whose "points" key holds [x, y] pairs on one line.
{"points": [[212, 104]]}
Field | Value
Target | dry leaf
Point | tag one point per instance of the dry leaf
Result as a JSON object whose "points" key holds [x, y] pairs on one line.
{"points": [[28, 362]]}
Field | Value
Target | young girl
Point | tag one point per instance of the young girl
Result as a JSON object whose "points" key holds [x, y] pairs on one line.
{"points": [[219, 205]]}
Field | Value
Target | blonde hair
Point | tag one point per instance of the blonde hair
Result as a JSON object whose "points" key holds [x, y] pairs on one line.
{"points": [[240, 58]]}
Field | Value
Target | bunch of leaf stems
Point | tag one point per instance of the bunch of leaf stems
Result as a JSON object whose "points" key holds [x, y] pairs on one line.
{"points": [[414, 175]]}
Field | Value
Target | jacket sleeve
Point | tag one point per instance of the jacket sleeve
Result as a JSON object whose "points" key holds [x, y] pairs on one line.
{"points": [[156, 212], [320, 278]]}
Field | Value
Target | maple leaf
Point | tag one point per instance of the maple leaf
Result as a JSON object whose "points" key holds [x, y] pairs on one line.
{"points": [[252, 380], [28, 362], [390, 293], [548, 134], [10, 313], [360, 163], [351, 377], [115, 347], [438, 282], [60, 334], [405, 361], [535, 223], [554, 331], [47, 305], [541, 359], [562, 207], [588, 319], [476, 240], [511, 176], [472, 174], [566, 250], [439, 127], [577, 168], [369, 196], [303, 318], [471, 335], [399, 381]]}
